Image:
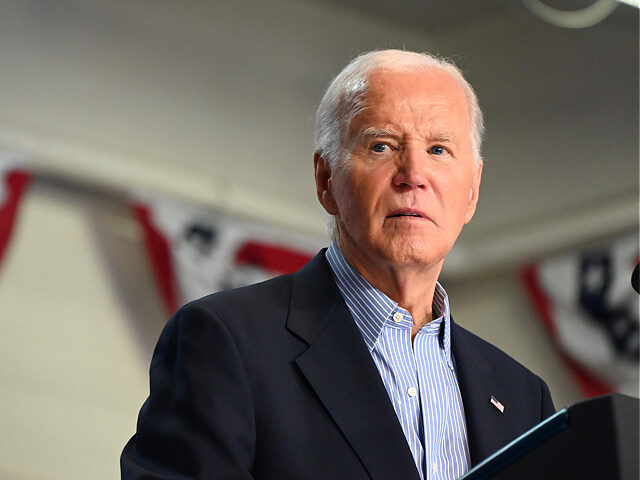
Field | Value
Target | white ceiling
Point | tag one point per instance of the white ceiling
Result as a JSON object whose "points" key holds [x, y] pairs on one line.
{"points": [[213, 102]]}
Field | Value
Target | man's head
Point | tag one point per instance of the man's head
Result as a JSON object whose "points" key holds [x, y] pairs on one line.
{"points": [[397, 157], [346, 92]]}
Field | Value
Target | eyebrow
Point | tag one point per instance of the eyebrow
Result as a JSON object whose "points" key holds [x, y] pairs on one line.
{"points": [[377, 132], [381, 132], [443, 137]]}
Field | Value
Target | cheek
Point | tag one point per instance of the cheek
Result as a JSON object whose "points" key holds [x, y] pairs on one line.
{"points": [[366, 202], [343, 194], [458, 209], [360, 196]]}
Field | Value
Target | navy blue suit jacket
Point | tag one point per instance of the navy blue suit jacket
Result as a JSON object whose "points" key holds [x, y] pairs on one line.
{"points": [[274, 381]]}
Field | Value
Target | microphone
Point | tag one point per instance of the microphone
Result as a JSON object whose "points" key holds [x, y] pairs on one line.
{"points": [[634, 278]]}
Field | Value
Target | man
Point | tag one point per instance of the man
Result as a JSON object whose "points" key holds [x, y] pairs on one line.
{"points": [[351, 368]]}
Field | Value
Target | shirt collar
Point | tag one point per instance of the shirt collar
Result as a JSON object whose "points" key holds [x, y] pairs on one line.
{"points": [[372, 309]]}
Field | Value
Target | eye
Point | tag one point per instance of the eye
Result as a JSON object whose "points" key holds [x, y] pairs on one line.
{"points": [[380, 147], [437, 150]]}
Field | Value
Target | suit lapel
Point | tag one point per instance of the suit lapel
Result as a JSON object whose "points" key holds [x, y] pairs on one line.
{"points": [[486, 425], [340, 370]]}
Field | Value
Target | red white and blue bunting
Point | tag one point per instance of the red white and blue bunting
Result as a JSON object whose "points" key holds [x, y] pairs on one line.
{"points": [[588, 307], [195, 251]]}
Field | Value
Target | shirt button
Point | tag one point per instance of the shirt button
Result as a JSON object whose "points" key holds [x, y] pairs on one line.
{"points": [[412, 391], [397, 317]]}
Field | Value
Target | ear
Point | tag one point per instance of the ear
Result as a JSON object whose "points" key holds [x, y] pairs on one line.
{"points": [[474, 191], [322, 172]]}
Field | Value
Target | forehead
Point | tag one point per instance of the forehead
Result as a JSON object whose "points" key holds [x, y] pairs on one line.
{"points": [[418, 99]]}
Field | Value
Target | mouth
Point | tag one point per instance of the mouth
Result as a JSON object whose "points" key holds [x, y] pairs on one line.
{"points": [[407, 213]]}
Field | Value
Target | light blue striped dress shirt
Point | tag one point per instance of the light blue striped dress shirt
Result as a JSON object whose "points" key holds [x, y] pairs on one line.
{"points": [[420, 379]]}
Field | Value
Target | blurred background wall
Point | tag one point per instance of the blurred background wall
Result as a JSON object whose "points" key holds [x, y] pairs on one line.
{"points": [[212, 103]]}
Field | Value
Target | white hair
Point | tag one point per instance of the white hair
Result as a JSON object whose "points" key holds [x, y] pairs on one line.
{"points": [[347, 91]]}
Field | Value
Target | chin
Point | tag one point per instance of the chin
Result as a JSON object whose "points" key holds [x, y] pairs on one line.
{"points": [[403, 251]]}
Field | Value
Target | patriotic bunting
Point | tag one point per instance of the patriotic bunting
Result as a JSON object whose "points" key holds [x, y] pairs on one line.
{"points": [[588, 307], [194, 251]]}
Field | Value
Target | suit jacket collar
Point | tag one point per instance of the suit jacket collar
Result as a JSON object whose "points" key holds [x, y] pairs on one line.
{"points": [[487, 427], [340, 370]]}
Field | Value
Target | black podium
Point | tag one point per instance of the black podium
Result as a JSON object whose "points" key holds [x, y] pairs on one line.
{"points": [[594, 439]]}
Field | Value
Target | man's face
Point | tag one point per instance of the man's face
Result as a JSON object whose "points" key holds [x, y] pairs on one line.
{"points": [[411, 183]]}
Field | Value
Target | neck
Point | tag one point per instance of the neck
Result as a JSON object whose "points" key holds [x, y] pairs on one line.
{"points": [[411, 285]]}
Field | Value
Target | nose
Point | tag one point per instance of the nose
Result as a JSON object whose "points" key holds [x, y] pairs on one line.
{"points": [[411, 169]]}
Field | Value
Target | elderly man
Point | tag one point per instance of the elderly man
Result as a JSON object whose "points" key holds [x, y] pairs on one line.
{"points": [[351, 368]]}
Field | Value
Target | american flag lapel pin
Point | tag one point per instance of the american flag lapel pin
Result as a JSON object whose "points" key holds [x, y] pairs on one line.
{"points": [[496, 403]]}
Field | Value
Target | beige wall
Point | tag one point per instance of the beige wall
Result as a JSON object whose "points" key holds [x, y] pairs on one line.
{"points": [[71, 373]]}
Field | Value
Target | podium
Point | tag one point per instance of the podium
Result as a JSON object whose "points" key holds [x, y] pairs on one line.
{"points": [[594, 439]]}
